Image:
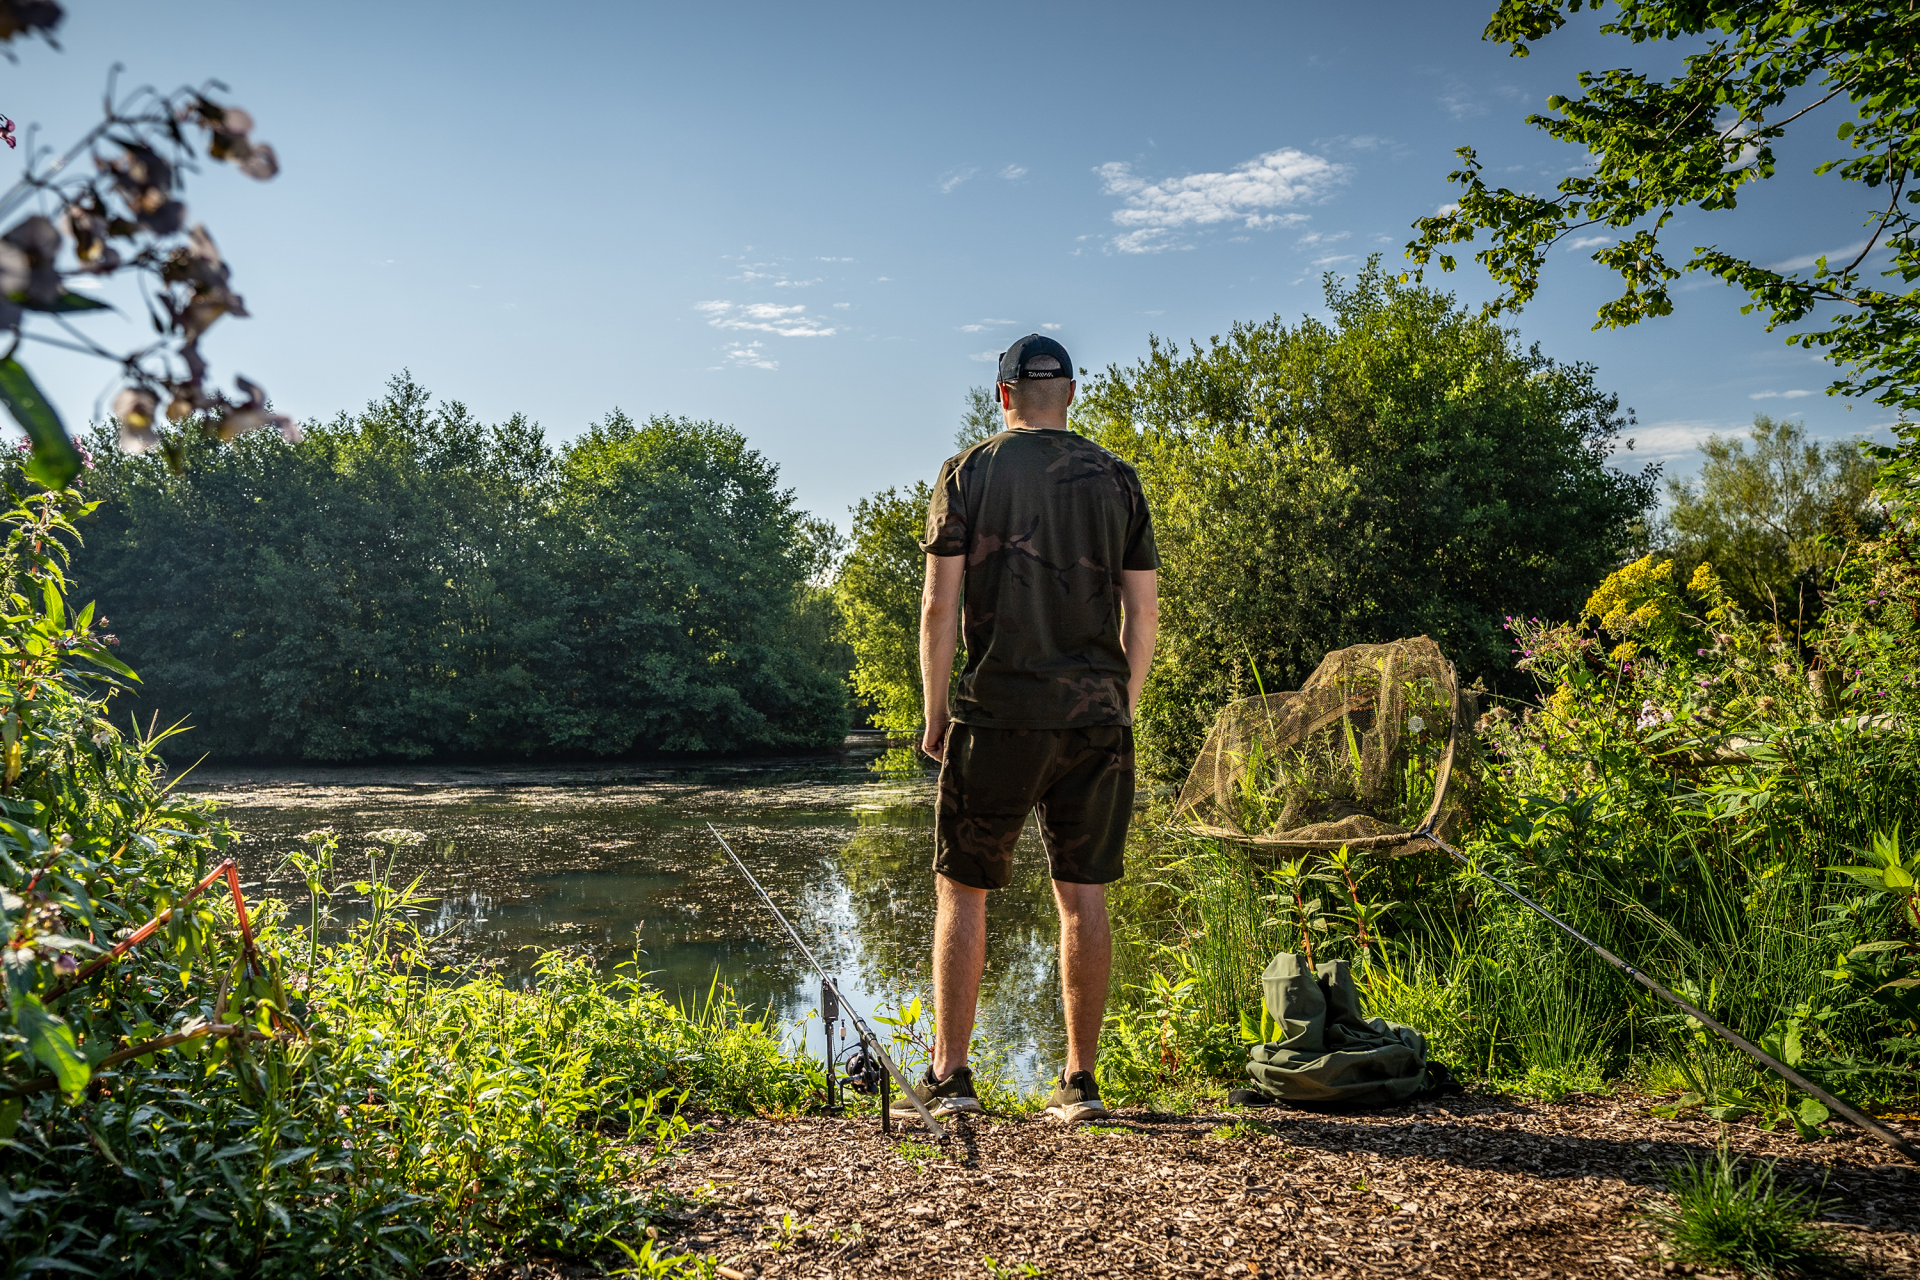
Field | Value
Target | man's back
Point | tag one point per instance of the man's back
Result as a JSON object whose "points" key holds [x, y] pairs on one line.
{"points": [[1047, 521]]}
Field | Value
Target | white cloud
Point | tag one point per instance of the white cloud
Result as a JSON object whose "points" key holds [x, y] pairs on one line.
{"points": [[1050, 327], [1013, 171], [1834, 257], [796, 284], [954, 177], [1332, 258], [1156, 210], [1779, 395], [1446, 209], [1666, 440], [883, 279], [833, 259], [1588, 242], [765, 317], [841, 306], [1459, 102], [986, 357], [750, 355], [1316, 238]]}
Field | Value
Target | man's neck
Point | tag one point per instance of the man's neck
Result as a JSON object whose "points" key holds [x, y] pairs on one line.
{"points": [[1024, 424]]}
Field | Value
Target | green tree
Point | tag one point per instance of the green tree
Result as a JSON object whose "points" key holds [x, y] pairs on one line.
{"points": [[1407, 469], [878, 587], [1694, 141], [377, 590], [411, 582], [1774, 522], [684, 564], [879, 595], [982, 418]]}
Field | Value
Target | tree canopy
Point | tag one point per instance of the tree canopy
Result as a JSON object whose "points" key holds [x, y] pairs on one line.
{"points": [[410, 582], [1695, 140], [1774, 521], [1406, 469]]}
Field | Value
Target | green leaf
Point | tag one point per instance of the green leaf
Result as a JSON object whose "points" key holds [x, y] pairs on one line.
{"points": [[100, 657], [56, 604], [1813, 1111], [52, 1041], [10, 1112], [67, 301], [55, 461]]}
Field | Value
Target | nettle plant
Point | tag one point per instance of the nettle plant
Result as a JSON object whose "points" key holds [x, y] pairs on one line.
{"points": [[109, 207]]}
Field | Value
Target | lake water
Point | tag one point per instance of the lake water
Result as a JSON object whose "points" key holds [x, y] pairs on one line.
{"points": [[524, 858]]}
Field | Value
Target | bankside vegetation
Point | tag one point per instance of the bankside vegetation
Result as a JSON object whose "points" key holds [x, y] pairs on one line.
{"points": [[246, 1094], [409, 582], [1726, 801]]}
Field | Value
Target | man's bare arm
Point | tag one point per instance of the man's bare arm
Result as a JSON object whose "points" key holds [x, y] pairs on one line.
{"points": [[939, 636], [1139, 627]]}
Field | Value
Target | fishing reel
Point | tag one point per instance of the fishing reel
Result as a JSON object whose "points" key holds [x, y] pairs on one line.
{"points": [[863, 1070]]}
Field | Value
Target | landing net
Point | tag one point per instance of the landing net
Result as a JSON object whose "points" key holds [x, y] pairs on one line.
{"points": [[1362, 755]]}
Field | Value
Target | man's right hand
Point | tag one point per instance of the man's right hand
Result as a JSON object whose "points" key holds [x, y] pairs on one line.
{"points": [[935, 741]]}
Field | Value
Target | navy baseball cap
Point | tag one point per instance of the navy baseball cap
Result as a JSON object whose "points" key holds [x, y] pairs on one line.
{"points": [[1018, 360]]}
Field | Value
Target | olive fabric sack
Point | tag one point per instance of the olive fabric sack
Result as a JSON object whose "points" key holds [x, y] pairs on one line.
{"points": [[1331, 1053]]}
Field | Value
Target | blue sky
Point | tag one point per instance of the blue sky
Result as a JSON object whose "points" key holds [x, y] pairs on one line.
{"points": [[816, 222]]}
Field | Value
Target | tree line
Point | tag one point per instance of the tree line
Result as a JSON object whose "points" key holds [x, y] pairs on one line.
{"points": [[410, 582]]}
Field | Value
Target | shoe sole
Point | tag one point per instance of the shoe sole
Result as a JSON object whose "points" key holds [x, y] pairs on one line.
{"points": [[1075, 1112]]}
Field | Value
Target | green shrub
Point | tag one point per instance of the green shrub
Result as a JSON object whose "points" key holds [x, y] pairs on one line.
{"points": [[233, 1095], [1724, 1216]]}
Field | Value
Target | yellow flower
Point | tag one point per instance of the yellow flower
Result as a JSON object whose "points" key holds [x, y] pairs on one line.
{"points": [[1633, 596]]}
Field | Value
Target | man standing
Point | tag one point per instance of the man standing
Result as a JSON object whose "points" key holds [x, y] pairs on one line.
{"points": [[1046, 536]]}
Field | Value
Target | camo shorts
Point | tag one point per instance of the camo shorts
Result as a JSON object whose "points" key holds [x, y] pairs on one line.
{"points": [[1081, 780]]}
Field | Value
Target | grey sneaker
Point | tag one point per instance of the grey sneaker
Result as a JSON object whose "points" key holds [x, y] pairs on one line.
{"points": [[941, 1097], [1076, 1098]]}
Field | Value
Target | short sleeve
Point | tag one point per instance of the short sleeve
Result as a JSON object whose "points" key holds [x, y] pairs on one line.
{"points": [[1141, 552], [946, 514]]}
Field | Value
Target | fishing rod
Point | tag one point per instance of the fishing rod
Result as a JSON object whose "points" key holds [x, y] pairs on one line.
{"points": [[868, 1039], [1739, 1042]]}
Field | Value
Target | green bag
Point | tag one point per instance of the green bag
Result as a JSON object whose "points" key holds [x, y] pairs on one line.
{"points": [[1331, 1053]]}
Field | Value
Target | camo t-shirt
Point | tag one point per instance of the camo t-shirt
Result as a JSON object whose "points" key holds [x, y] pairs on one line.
{"points": [[1047, 521]]}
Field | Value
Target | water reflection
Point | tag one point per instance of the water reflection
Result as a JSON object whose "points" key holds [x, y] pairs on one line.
{"points": [[521, 859]]}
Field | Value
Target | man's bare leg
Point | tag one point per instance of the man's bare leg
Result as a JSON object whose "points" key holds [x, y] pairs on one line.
{"points": [[1086, 961], [959, 956]]}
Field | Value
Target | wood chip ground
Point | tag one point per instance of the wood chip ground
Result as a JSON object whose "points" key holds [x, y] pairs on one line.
{"points": [[1469, 1186]]}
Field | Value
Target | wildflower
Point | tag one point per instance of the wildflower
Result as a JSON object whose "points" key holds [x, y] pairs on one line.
{"points": [[26, 262], [1651, 716], [133, 410], [65, 965], [229, 127], [1416, 725], [6, 133]]}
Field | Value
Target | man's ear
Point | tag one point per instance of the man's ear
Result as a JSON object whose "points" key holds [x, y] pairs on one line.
{"points": [[1004, 394], [1073, 389]]}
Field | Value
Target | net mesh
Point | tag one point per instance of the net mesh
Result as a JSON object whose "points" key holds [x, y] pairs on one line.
{"points": [[1365, 754]]}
